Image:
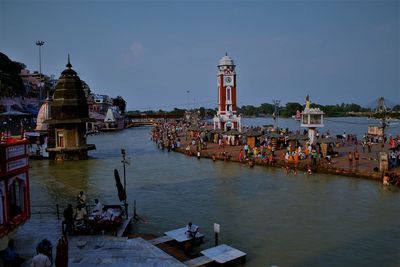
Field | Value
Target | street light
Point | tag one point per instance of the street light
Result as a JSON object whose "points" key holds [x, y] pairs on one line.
{"points": [[188, 99], [40, 44], [124, 162], [276, 112]]}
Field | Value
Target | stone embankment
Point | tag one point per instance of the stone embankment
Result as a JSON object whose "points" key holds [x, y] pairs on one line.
{"points": [[367, 166]]}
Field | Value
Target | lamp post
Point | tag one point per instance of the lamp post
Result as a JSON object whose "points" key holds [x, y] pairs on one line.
{"points": [[188, 99], [276, 112], [124, 162], [40, 44]]}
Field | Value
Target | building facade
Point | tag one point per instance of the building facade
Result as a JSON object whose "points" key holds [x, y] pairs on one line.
{"points": [[227, 118]]}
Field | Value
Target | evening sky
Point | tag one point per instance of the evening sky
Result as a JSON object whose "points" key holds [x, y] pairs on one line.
{"points": [[163, 54]]}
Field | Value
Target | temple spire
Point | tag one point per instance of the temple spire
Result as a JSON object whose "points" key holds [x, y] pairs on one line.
{"points": [[69, 63]]}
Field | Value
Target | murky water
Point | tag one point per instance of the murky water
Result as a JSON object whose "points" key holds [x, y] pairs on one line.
{"points": [[318, 220]]}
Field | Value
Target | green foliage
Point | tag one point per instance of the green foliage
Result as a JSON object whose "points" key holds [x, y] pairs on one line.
{"points": [[120, 103], [210, 113], [396, 108], [290, 109], [266, 108], [202, 112], [10, 81], [248, 110]]}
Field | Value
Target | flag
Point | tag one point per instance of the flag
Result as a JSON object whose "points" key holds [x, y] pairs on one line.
{"points": [[120, 188]]}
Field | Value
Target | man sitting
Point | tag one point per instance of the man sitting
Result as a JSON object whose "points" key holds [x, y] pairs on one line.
{"points": [[98, 208], [191, 230]]}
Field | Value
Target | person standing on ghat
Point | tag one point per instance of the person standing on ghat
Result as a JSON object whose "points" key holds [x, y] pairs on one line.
{"points": [[350, 158]]}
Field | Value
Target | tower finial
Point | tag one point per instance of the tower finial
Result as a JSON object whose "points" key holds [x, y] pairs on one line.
{"points": [[226, 53], [69, 63]]}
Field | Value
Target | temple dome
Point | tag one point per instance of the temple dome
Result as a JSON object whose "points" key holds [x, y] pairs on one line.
{"points": [[69, 100], [226, 61], [43, 115]]}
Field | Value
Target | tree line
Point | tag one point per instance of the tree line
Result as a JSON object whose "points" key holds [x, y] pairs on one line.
{"points": [[267, 109]]}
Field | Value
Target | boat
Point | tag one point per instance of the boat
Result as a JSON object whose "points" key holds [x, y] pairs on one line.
{"points": [[110, 221]]}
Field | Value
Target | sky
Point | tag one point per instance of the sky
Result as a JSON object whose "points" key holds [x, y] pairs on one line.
{"points": [[164, 54]]}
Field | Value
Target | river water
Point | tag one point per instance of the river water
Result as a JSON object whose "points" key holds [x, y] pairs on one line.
{"points": [[277, 219]]}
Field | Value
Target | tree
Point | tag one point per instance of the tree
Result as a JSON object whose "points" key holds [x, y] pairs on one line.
{"points": [[120, 103], [266, 108], [202, 111], [211, 112], [291, 108], [396, 108], [11, 82]]}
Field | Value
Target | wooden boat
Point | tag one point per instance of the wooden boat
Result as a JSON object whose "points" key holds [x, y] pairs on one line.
{"points": [[111, 219]]}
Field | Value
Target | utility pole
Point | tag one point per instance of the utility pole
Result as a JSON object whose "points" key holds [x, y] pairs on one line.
{"points": [[276, 112], [124, 162], [188, 99], [40, 44]]}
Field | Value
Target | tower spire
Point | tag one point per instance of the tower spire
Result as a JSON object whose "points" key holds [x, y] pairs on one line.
{"points": [[69, 63]]}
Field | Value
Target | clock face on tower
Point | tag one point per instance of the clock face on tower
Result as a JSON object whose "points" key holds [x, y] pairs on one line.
{"points": [[228, 81]]}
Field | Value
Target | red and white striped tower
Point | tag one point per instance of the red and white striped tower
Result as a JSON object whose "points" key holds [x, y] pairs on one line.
{"points": [[226, 118]]}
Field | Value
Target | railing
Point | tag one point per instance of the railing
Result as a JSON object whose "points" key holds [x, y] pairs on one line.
{"points": [[54, 210], [46, 210]]}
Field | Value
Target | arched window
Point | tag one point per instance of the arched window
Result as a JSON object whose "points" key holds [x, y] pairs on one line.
{"points": [[228, 93]]}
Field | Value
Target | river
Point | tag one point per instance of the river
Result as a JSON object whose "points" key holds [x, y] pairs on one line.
{"points": [[277, 219]]}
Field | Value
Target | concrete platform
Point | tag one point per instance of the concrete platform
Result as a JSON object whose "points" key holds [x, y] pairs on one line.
{"points": [[105, 251], [223, 254], [180, 236], [90, 250]]}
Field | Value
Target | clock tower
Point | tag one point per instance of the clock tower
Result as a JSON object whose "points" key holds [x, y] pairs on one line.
{"points": [[226, 118]]}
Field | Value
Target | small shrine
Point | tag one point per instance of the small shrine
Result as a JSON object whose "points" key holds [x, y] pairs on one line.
{"points": [[312, 118], [69, 114]]}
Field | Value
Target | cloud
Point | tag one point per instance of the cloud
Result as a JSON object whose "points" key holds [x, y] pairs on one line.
{"points": [[136, 48], [134, 52]]}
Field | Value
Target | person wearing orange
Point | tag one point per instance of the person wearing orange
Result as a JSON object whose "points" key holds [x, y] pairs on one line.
{"points": [[296, 161]]}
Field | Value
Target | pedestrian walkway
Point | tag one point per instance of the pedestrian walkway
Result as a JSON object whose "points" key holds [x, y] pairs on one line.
{"points": [[90, 250]]}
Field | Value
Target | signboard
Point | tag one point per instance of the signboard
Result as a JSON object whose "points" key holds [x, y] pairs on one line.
{"points": [[17, 164], [15, 151]]}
